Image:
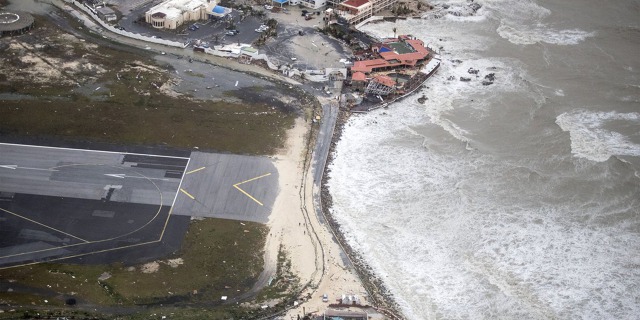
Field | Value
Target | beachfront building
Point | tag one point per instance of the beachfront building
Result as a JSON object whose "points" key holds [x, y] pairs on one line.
{"points": [[356, 11], [393, 53], [379, 5], [171, 14], [391, 66]]}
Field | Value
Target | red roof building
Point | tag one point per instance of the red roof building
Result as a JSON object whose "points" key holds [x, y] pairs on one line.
{"points": [[355, 11], [394, 53], [358, 76], [385, 80]]}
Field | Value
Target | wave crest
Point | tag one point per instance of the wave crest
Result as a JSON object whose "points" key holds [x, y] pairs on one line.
{"points": [[526, 36], [591, 140]]}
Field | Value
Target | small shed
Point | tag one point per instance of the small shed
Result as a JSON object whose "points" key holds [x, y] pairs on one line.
{"points": [[107, 14], [220, 11], [280, 2]]}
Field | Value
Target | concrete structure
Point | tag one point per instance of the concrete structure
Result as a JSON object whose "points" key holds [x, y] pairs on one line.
{"points": [[107, 14], [379, 5], [15, 22], [173, 13], [332, 314], [355, 11], [314, 4]]}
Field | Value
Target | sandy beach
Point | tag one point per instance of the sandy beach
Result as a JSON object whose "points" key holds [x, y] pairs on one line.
{"points": [[314, 255]]}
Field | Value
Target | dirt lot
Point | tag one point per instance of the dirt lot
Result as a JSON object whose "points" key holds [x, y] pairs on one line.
{"points": [[58, 85]]}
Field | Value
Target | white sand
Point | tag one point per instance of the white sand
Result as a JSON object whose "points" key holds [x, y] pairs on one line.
{"points": [[294, 228]]}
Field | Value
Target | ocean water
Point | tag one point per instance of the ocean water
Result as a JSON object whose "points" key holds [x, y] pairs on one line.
{"points": [[519, 199]]}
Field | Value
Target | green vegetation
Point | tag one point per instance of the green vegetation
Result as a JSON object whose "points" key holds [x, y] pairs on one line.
{"points": [[218, 258], [284, 283], [122, 97]]}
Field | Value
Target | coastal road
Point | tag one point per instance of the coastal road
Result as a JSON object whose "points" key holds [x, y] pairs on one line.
{"points": [[323, 142], [321, 152]]}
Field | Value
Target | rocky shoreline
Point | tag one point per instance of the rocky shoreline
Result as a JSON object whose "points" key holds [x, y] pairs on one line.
{"points": [[382, 299]]}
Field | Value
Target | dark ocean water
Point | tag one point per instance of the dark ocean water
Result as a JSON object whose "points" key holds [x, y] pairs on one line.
{"points": [[518, 199]]}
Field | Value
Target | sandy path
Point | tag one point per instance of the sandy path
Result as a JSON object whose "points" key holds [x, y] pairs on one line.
{"points": [[294, 225]]}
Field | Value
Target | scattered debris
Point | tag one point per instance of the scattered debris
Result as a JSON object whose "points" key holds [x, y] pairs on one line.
{"points": [[104, 276], [150, 267]]}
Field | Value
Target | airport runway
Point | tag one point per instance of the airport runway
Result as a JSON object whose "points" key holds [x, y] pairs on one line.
{"points": [[228, 186], [104, 206]]}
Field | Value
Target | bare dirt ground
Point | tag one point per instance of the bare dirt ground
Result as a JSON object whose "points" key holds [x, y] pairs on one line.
{"points": [[312, 50]]}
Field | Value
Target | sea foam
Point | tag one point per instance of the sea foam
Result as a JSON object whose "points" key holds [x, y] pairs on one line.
{"points": [[590, 138]]}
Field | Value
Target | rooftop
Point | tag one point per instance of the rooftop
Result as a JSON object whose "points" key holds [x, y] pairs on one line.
{"points": [[355, 3], [358, 76], [174, 8], [407, 51], [386, 80]]}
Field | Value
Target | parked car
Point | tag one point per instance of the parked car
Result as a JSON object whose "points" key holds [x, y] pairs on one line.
{"points": [[325, 298], [268, 7]]}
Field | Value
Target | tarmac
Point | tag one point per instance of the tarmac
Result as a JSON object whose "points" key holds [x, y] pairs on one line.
{"points": [[106, 206]]}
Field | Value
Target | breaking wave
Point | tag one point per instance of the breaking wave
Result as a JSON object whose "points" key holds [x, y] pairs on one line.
{"points": [[590, 137], [526, 35]]}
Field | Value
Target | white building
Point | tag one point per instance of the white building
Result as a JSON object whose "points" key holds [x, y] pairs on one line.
{"points": [[314, 4], [355, 11], [173, 13]]}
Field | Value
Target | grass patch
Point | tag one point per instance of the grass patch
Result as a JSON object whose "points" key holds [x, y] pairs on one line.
{"points": [[130, 106], [218, 257], [284, 283]]}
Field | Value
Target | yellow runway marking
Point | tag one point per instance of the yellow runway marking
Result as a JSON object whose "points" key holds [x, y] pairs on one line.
{"points": [[42, 224], [196, 170], [247, 194], [187, 193]]}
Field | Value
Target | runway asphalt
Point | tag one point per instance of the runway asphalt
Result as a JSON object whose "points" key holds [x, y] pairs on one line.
{"points": [[104, 206], [228, 186]]}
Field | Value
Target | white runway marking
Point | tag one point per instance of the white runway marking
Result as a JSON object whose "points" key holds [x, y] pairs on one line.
{"points": [[72, 149], [15, 167], [122, 176]]}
